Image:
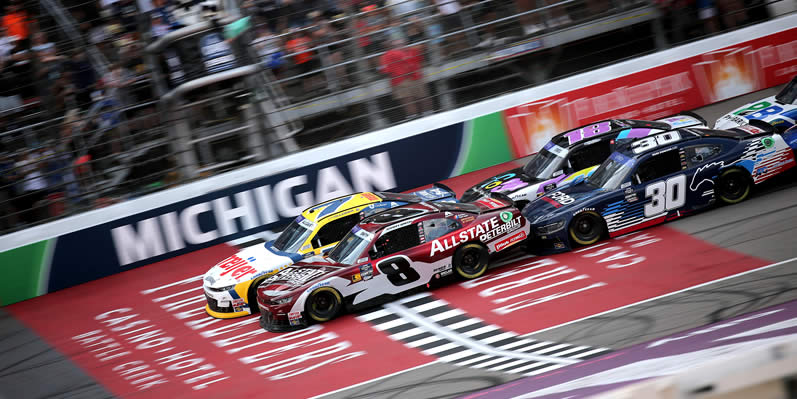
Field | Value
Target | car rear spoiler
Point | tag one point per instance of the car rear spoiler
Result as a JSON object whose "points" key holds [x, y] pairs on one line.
{"points": [[689, 114], [755, 127]]}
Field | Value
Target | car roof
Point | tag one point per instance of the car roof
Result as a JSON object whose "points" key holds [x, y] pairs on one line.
{"points": [[563, 140], [329, 208], [689, 134], [396, 216]]}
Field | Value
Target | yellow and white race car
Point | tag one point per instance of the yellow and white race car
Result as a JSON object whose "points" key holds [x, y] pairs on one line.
{"points": [[230, 286]]}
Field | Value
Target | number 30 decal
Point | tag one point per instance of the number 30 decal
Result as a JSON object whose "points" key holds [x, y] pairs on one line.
{"points": [[665, 195], [398, 270], [654, 141]]}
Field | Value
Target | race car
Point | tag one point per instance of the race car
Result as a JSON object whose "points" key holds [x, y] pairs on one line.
{"points": [[779, 110], [390, 253], [657, 179], [230, 285], [571, 156]]}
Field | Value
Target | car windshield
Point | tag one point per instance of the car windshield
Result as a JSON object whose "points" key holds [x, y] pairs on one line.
{"points": [[292, 238], [350, 247], [546, 162], [789, 93], [612, 172]]}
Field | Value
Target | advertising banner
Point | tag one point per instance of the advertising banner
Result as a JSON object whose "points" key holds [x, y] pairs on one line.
{"points": [[658, 92]]}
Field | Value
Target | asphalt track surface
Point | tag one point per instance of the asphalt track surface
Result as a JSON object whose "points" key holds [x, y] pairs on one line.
{"points": [[762, 228]]}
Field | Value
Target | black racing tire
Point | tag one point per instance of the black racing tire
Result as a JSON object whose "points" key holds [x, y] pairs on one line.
{"points": [[471, 260], [251, 296], [323, 304], [586, 228], [733, 186]]}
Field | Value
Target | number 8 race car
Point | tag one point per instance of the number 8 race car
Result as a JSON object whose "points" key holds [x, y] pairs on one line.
{"points": [[390, 253], [657, 179], [230, 285]]}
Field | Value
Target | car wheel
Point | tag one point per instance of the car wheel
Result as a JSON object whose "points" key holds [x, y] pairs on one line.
{"points": [[323, 304], [251, 296], [586, 228], [733, 186], [471, 259]]}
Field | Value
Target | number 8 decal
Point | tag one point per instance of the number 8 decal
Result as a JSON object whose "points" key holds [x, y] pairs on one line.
{"points": [[398, 270], [665, 195]]}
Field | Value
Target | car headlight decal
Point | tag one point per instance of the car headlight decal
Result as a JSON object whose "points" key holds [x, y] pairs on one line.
{"points": [[223, 289], [551, 227], [280, 301]]}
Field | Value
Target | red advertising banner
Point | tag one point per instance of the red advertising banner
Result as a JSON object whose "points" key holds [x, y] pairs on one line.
{"points": [[658, 92]]}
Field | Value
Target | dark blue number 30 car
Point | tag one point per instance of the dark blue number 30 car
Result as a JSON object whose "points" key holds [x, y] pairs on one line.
{"points": [[656, 179]]}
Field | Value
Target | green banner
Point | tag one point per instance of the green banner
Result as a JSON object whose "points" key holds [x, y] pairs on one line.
{"points": [[488, 143], [21, 269]]}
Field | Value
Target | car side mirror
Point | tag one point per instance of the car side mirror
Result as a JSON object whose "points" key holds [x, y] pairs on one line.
{"points": [[697, 158]]}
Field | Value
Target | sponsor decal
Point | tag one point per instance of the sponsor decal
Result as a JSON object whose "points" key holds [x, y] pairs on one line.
{"points": [[583, 210], [444, 270], [503, 244], [558, 245], [630, 195], [561, 198], [485, 231], [305, 223], [421, 234], [491, 203], [768, 142], [356, 277], [319, 285], [365, 235], [366, 271], [398, 225], [506, 216], [371, 197], [295, 276], [465, 218], [362, 259], [236, 267], [295, 318]]}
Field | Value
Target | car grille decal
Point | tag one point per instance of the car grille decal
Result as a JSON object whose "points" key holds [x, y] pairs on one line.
{"points": [[433, 327]]}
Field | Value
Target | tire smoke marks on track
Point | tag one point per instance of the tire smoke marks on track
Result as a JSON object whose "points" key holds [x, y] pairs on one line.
{"points": [[433, 327], [144, 333], [530, 294], [664, 356]]}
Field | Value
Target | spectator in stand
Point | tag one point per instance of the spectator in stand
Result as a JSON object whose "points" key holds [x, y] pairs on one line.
{"points": [[404, 66], [707, 12], [48, 69], [269, 49], [20, 66], [733, 13], [299, 45], [331, 40], [368, 27], [158, 27], [452, 21], [116, 78], [8, 213], [83, 78], [414, 30], [16, 20], [31, 184]]}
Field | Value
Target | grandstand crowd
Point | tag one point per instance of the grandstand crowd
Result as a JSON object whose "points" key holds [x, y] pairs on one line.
{"points": [[65, 90]]}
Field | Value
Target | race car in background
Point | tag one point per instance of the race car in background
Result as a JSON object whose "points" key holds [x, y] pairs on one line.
{"points": [[657, 179], [571, 156], [779, 110], [388, 254], [230, 285]]}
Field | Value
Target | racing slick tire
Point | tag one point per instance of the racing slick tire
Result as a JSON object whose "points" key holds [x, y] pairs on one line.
{"points": [[323, 304], [586, 228], [733, 186], [471, 260], [251, 295]]}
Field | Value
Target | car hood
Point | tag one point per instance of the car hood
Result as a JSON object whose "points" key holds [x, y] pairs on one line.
{"points": [[508, 182], [559, 202], [730, 120], [249, 263], [297, 276]]}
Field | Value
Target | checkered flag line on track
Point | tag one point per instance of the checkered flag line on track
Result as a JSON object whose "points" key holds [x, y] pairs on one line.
{"points": [[435, 328]]}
